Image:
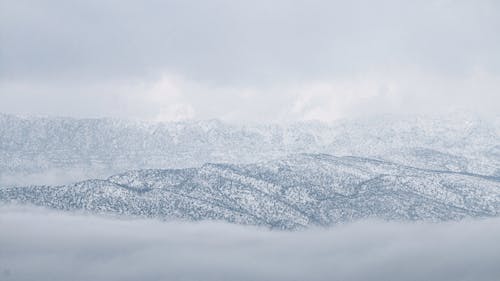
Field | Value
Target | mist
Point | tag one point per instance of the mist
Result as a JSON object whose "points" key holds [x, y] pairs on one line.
{"points": [[53, 176], [37, 244]]}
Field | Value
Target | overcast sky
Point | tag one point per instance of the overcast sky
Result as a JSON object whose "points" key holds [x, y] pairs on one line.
{"points": [[248, 60]]}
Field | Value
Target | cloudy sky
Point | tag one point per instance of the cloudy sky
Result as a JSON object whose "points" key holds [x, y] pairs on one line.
{"points": [[248, 60]]}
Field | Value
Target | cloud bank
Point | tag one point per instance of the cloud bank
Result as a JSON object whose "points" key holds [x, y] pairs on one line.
{"points": [[248, 61], [41, 245]]}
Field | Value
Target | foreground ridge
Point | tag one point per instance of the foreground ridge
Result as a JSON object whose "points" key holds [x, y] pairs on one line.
{"points": [[297, 191]]}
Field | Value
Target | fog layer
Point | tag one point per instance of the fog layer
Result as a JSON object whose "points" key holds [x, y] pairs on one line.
{"points": [[39, 245]]}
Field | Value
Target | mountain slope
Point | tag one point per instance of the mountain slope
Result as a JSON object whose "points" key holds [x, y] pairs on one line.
{"points": [[296, 191], [62, 150]]}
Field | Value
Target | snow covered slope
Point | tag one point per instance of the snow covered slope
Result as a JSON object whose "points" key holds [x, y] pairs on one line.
{"points": [[63, 150], [295, 191]]}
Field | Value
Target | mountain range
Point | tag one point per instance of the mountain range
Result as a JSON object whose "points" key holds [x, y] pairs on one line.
{"points": [[297, 191], [48, 150], [284, 176]]}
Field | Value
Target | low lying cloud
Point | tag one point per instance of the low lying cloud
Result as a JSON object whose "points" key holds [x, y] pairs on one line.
{"points": [[54, 176], [40, 245], [171, 97]]}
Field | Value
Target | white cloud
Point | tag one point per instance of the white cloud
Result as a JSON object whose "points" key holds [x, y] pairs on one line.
{"points": [[402, 91], [41, 245], [164, 98], [170, 97], [248, 61]]}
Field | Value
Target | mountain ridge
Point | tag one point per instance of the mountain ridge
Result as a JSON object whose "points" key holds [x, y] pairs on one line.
{"points": [[63, 150], [297, 191]]}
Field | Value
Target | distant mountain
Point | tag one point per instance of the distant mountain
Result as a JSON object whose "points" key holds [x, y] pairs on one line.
{"points": [[296, 191], [62, 150]]}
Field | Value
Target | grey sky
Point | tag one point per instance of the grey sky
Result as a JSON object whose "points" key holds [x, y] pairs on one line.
{"points": [[42, 245], [248, 60]]}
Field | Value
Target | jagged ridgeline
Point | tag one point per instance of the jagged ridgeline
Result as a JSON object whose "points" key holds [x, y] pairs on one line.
{"points": [[294, 192], [64, 150]]}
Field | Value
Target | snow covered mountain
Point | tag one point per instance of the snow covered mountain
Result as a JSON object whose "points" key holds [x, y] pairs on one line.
{"points": [[62, 150], [293, 192]]}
